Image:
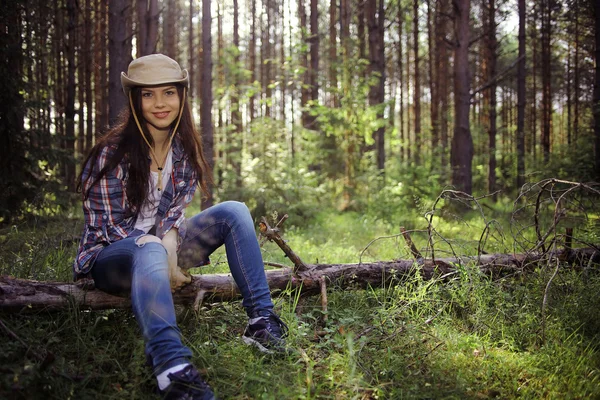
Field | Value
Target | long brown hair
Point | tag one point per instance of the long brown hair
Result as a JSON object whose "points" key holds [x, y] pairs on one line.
{"points": [[131, 147]]}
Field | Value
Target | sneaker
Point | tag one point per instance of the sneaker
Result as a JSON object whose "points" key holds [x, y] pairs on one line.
{"points": [[266, 331], [187, 384]]}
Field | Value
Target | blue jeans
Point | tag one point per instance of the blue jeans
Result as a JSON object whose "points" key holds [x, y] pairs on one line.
{"points": [[125, 267]]}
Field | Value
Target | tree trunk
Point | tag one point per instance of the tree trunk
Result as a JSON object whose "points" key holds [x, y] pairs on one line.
{"points": [[266, 61], [333, 53], [119, 59], [576, 82], [148, 14], [417, 84], [70, 98], [314, 58], [596, 100], [433, 64], [236, 115], [462, 143], [521, 98], [18, 295], [252, 61], [401, 136], [375, 19], [87, 61], [408, 137], [491, 64], [206, 127], [170, 30], [12, 152], [304, 92], [191, 49], [443, 78], [546, 78]]}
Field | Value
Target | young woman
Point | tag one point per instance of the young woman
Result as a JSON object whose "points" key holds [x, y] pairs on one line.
{"points": [[136, 183]]}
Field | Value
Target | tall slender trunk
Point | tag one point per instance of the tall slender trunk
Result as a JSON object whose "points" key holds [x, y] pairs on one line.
{"points": [[119, 58], [314, 56], [236, 115], [304, 92], [401, 131], [206, 99], [533, 115], [252, 60], [596, 100], [191, 47], [70, 89], [569, 95], [576, 82], [408, 105], [100, 45], [333, 54], [148, 15], [417, 84], [266, 51], [521, 98], [461, 157], [87, 62], [170, 30], [546, 78], [433, 63], [492, 57], [444, 77]]}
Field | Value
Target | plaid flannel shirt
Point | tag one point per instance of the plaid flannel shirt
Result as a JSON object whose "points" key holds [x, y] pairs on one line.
{"points": [[105, 209]]}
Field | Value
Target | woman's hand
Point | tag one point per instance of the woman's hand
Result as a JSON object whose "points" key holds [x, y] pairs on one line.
{"points": [[177, 276]]}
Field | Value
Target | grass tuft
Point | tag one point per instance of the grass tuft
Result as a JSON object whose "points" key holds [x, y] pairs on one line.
{"points": [[469, 337]]}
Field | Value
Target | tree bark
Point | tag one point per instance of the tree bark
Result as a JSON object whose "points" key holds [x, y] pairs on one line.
{"points": [[148, 13], [491, 63], [71, 44], [18, 295], [433, 84], [417, 84], [546, 58], [236, 137], [462, 143], [401, 135], [375, 22], [206, 94], [443, 77], [521, 98], [596, 100], [119, 59]]}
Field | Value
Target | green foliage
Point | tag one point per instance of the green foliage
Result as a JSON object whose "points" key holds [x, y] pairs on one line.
{"points": [[466, 337]]}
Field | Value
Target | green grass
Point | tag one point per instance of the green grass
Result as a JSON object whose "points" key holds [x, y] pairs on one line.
{"points": [[467, 338]]}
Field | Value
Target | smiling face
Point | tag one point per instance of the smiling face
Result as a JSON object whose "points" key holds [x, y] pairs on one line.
{"points": [[160, 107]]}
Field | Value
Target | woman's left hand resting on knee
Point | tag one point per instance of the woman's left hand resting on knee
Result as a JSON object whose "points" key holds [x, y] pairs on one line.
{"points": [[177, 276]]}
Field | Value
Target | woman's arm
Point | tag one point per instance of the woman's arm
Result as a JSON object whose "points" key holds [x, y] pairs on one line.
{"points": [[177, 276]]}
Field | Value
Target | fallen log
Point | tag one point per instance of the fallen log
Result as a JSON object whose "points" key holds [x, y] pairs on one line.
{"points": [[21, 295]]}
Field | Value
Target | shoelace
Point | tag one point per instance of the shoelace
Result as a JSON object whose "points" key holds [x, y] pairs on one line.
{"points": [[275, 324], [190, 377]]}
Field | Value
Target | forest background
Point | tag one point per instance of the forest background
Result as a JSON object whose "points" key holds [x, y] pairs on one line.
{"points": [[351, 116], [350, 99]]}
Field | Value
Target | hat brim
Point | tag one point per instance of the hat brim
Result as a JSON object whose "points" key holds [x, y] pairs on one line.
{"points": [[129, 83]]}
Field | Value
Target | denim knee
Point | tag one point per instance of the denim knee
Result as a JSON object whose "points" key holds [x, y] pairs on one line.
{"points": [[150, 255], [236, 211]]}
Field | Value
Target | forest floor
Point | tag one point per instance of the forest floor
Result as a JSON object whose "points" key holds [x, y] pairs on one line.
{"points": [[469, 337]]}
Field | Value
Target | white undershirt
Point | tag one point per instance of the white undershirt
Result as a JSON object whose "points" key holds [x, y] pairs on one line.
{"points": [[147, 216]]}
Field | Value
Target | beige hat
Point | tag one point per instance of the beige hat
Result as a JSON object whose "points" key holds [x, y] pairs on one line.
{"points": [[152, 70]]}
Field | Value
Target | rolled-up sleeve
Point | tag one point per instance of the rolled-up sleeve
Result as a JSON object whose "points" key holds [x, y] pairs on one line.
{"points": [[104, 209]]}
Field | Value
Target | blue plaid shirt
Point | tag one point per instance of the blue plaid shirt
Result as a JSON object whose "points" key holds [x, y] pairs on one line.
{"points": [[105, 209]]}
